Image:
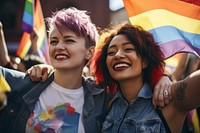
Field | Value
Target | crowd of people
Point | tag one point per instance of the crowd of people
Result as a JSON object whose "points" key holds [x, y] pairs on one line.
{"points": [[127, 90]]}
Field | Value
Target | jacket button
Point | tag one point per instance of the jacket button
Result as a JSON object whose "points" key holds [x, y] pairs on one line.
{"points": [[12, 110], [85, 116]]}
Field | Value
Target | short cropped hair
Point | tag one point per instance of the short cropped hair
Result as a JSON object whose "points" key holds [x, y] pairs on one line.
{"points": [[76, 20]]}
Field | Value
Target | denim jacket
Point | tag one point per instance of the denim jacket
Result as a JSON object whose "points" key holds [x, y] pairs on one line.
{"points": [[25, 94], [137, 117]]}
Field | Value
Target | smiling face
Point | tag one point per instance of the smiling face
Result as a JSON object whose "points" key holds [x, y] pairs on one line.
{"points": [[122, 60], [67, 50]]}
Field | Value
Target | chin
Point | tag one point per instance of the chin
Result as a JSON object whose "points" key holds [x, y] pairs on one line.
{"points": [[118, 78], [60, 67], [122, 77]]}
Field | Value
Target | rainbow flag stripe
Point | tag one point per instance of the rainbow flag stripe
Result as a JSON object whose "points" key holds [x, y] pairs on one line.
{"points": [[25, 43], [174, 24], [27, 21]]}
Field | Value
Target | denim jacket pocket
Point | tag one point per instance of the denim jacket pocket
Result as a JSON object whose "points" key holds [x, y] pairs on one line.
{"points": [[149, 126], [108, 124]]}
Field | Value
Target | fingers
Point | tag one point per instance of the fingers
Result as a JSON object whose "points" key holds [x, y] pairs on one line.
{"points": [[35, 73], [166, 97], [45, 74], [155, 96], [160, 102], [34, 35], [159, 99], [161, 96], [39, 72]]}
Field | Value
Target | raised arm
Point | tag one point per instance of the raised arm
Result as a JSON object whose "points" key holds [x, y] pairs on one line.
{"points": [[181, 66], [4, 57], [34, 41], [35, 50]]}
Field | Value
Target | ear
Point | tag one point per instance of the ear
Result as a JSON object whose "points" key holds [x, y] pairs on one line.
{"points": [[90, 52], [144, 64]]}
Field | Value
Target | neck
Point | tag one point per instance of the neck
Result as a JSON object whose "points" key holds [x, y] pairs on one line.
{"points": [[130, 88], [68, 79]]}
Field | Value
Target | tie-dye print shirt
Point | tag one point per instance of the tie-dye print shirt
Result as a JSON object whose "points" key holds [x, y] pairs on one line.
{"points": [[58, 110]]}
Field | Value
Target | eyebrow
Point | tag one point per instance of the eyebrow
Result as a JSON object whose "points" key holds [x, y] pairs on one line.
{"points": [[69, 37], [122, 44], [65, 37]]}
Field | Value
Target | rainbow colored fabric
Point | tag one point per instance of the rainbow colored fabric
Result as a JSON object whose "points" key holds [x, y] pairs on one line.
{"points": [[175, 24], [27, 21], [35, 20]]}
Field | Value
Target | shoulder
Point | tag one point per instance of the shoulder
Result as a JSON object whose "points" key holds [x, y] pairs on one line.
{"points": [[11, 72], [90, 85], [17, 80]]}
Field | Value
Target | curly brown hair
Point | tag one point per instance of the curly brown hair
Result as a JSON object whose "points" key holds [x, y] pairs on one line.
{"points": [[145, 46]]}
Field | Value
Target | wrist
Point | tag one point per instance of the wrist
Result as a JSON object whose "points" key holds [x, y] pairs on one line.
{"points": [[168, 76]]}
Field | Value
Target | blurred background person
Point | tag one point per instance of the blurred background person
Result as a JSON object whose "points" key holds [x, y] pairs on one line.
{"points": [[35, 57]]}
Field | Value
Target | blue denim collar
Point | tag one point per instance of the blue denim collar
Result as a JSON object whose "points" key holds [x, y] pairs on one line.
{"points": [[145, 92]]}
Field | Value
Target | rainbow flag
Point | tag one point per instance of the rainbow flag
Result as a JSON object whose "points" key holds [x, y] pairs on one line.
{"points": [[39, 24], [175, 24], [27, 21], [4, 87]]}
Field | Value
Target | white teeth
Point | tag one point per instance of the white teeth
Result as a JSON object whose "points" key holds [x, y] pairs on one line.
{"points": [[121, 65], [61, 57]]}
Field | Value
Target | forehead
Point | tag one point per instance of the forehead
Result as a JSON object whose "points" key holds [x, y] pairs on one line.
{"points": [[62, 32], [120, 40]]}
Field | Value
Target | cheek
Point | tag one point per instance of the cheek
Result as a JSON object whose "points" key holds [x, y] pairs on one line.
{"points": [[109, 66], [50, 50], [138, 68]]}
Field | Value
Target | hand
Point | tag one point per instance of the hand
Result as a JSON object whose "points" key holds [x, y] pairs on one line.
{"points": [[162, 92], [1, 26], [34, 37], [39, 72], [34, 41]]}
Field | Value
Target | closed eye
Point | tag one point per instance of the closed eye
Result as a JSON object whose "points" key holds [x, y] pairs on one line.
{"points": [[53, 42], [111, 53], [129, 49], [69, 41]]}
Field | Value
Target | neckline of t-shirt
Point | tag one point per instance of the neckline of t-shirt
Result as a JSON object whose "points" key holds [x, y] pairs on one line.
{"points": [[60, 88]]}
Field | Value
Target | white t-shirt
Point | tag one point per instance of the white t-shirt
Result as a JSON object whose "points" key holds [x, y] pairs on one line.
{"points": [[58, 110]]}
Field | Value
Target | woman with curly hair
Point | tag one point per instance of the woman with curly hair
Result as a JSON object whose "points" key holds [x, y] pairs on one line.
{"points": [[130, 58]]}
